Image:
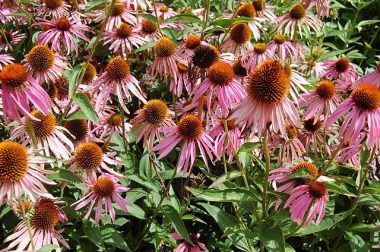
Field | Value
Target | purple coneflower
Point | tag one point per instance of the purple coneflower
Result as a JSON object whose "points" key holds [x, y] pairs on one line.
{"points": [[183, 80], [263, 10], [43, 221], [248, 10], [104, 187], [50, 137], [148, 29], [123, 39], [321, 6], [117, 79], [320, 101], [239, 39], [20, 173], [152, 119], [186, 50], [267, 101], [185, 247], [221, 84], [296, 19], [340, 69], [90, 158], [363, 108], [45, 65], [165, 64], [313, 195], [189, 131], [60, 34], [113, 123], [373, 77], [17, 88], [5, 59], [283, 48], [120, 13], [54, 8], [256, 56], [164, 12], [9, 39]]}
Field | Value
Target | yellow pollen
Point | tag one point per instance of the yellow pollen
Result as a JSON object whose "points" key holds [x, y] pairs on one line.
{"points": [[155, 112], [118, 69], [220, 73], [88, 156], [247, 10], [269, 83], [13, 162], [190, 127], [40, 58], [164, 47]]}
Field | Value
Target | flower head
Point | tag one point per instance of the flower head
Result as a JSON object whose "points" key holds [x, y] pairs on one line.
{"points": [[185, 246]]}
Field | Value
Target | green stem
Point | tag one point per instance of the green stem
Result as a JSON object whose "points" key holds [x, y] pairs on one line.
{"points": [[165, 192], [91, 54], [31, 132], [266, 178], [240, 166], [29, 228], [123, 130], [232, 18], [205, 17], [156, 15], [224, 155], [334, 154]]}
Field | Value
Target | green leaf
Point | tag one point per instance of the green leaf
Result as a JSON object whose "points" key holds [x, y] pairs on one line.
{"points": [[73, 79], [92, 233], [272, 237], [357, 243], [84, 103], [365, 228], [176, 221], [48, 248], [64, 174], [327, 223], [303, 173], [77, 115], [340, 189], [183, 17], [367, 22], [148, 183], [226, 177], [145, 46], [227, 195], [112, 237]]}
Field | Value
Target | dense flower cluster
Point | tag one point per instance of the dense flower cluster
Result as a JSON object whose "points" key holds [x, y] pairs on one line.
{"points": [[86, 85]]}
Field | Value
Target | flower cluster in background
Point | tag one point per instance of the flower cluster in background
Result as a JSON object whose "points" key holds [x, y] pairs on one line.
{"points": [[139, 125]]}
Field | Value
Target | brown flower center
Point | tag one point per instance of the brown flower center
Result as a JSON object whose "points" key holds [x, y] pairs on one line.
{"points": [[182, 68], [317, 189], [50, 89], [62, 86], [269, 83], [310, 126], [291, 131], [40, 58], [341, 65], [148, 26], [164, 8], [63, 24], [114, 120], [204, 56], [260, 48], [78, 128], [42, 128], [164, 47], [6, 37], [155, 112], [104, 187], [192, 41], [13, 75], [89, 156], [312, 169], [239, 70], [220, 73], [297, 11], [190, 127], [89, 74], [193, 238], [124, 31], [325, 90], [53, 4], [279, 39], [117, 9], [366, 96], [240, 33], [247, 10], [118, 69], [259, 5], [45, 216], [13, 162]]}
